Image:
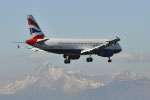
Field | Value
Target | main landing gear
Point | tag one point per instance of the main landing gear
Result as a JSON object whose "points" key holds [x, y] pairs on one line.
{"points": [[90, 59], [109, 60], [67, 59]]}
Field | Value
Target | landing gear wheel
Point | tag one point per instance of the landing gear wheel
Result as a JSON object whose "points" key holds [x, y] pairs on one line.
{"points": [[67, 61], [89, 59], [109, 60]]}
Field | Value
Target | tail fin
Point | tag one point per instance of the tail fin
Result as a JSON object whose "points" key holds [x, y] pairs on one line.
{"points": [[35, 30]]}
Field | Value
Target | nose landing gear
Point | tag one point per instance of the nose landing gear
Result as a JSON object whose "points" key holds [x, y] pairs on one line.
{"points": [[67, 59], [90, 59], [109, 60]]}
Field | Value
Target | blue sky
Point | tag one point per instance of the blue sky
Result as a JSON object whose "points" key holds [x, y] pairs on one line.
{"points": [[129, 20]]}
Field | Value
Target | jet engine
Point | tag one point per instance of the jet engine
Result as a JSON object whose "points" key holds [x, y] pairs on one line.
{"points": [[106, 53]]}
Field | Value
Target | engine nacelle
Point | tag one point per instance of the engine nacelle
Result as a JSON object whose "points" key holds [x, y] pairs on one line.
{"points": [[106, 53]]}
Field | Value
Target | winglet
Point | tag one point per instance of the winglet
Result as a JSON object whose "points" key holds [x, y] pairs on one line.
{"points": [[118, 38]]}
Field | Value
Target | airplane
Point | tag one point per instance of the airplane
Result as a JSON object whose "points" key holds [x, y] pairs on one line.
{"points": [[71, 49]]}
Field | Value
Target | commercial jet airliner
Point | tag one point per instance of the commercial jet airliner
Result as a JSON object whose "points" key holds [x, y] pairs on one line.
{"points": [[71, 49]]}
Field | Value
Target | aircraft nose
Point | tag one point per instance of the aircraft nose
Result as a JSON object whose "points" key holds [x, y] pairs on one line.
{"points": [[119, 47]]}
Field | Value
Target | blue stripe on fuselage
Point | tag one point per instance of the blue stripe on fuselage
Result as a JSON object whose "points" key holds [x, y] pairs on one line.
{"points": [[71, 51], [65, 51]]}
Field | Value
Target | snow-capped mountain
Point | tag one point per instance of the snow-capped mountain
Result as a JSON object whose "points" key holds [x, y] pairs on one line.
{"points": [[53, 78], [58, 84], [124, 86]]}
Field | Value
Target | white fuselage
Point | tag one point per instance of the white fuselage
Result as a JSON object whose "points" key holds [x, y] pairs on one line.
{"points": [[72, 46]]}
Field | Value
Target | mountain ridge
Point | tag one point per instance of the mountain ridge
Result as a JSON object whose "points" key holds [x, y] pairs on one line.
{"points": [[56, 83]]}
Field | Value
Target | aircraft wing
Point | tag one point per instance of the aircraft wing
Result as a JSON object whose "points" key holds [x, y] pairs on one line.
{"points": [[100, 47]]}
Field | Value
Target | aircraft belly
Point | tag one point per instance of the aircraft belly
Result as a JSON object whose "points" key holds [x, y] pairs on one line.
{"points": [[62, 49]]}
